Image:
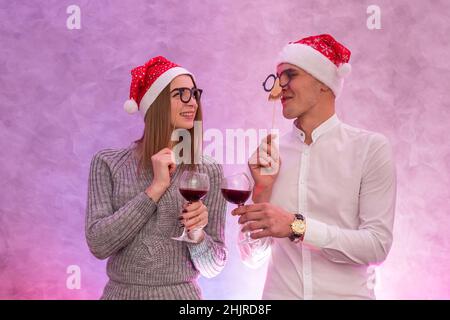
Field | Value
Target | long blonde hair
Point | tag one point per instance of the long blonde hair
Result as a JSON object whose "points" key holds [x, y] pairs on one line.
{"points": [[158, 131]]}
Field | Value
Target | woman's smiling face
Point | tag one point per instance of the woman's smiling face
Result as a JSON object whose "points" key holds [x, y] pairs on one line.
{"points": [[182, 113]]}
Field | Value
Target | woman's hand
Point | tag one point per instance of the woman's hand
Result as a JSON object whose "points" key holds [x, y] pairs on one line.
{"points": [[163, 164], [194, 219]]}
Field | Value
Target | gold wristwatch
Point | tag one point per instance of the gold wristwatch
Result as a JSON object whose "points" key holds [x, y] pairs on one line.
{"points": [[298, 228]]}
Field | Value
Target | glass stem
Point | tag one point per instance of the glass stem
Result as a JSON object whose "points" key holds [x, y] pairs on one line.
{"points": [[248, 233]]}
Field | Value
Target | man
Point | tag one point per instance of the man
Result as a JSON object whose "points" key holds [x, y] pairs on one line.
{"points": [[327, 214]]}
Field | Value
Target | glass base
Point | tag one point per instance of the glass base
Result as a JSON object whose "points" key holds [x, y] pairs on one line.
{"points": [[184, 237]]}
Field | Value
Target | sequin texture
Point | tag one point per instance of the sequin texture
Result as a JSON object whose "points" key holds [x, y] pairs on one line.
{"points": [[144, 76], [329, 47]]}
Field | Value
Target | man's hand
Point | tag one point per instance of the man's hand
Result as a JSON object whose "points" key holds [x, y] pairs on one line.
{"points": [[264, 165], [270, 220]]}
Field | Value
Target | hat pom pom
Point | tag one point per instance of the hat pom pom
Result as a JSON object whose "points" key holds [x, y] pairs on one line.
{"points": [[344, 70], [130, 106]]}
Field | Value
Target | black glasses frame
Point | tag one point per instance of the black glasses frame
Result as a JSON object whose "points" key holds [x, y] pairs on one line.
{"points": [[287, 72], [196, 92]]}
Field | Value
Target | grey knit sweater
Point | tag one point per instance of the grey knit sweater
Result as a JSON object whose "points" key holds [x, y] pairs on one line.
{"points": [[124, 225]]}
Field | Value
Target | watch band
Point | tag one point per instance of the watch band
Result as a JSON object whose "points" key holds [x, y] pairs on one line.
{"points": [[297, 237]]}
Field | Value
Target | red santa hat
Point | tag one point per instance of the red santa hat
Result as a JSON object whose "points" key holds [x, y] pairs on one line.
{"points": [[147, 82], [322, 57]]}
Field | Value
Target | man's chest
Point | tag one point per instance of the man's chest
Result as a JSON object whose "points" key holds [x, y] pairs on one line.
{"points": [[318, 178]]}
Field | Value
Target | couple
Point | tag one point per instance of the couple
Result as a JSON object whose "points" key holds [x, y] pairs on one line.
{"points": [[323, 218]]}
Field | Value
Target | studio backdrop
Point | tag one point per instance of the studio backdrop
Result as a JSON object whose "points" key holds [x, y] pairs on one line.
{"points": [[65, 74]]}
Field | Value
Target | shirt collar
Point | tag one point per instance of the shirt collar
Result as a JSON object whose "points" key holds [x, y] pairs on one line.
{"points": [[324, 127]]}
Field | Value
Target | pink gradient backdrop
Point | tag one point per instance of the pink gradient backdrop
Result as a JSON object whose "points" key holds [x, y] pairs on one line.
{"points": [[61, 95]]}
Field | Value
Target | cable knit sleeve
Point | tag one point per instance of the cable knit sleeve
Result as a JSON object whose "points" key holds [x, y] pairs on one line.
{"points": [[209, 256], [107, 230]]}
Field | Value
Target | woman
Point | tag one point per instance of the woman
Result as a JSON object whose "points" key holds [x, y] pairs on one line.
{"points": [[134, 206]]}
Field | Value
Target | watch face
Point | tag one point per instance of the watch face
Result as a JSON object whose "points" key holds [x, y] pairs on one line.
{"points": [[298, 226]]}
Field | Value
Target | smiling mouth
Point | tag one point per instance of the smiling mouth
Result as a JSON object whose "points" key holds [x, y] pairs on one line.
{"points": [[188, 114]]}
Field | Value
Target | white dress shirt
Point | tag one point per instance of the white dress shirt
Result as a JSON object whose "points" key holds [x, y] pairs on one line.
{"points": [[344, 185]]}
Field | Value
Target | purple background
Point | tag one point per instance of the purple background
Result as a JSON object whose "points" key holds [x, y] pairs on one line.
{"points": [[61, 96]]}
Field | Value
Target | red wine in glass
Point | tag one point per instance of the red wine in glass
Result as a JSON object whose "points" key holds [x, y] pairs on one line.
{"points": [[192, 195], [236, 196], [193, 186], [237, 189]]}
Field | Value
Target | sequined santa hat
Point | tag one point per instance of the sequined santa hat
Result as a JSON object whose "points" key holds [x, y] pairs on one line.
{"points": [[322, 57], [147, 82]]}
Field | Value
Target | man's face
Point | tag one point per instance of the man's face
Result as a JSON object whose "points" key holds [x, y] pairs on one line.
{"points": [[302, 93]]}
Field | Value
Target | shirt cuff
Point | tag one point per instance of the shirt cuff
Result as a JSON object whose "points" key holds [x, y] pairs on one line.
{"points": [[316, 233], [146, 202], [196, 235], [198, 249], [144, 197]]}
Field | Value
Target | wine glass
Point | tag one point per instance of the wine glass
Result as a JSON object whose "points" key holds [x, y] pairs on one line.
{"points": [[237, 189], [193, 186]]}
